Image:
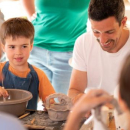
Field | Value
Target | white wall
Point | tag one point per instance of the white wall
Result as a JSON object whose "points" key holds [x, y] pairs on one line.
{"points": [[11, 9], [127, 7]]}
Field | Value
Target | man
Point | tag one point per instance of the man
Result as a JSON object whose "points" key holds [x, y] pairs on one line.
{"points": [[99, 54]]}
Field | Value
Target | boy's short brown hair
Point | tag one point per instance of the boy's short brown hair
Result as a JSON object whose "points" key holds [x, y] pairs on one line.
{"points": [[16, 27]]}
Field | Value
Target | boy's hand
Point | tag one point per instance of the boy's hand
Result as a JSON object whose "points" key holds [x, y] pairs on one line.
{"points": [[44, 106], [3, 92]]}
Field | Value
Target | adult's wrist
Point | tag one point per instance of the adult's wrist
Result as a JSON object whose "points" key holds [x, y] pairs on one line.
{"points": [[77, 97]]}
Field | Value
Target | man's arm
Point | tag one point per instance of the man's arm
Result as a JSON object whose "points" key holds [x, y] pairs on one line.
{"points": [[78, 84], [29, 7]]}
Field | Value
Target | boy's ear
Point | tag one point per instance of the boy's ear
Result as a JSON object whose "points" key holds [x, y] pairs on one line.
{"points": [[31, 46], [3, 47]]}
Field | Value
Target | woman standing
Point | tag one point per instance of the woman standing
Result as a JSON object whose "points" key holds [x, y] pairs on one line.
{"points": [[57, 25]]}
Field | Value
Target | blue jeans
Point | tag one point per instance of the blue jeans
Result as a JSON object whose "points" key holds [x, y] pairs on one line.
{"points": [[55, 65]]}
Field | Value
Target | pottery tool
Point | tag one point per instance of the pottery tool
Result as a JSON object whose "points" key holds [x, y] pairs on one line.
{"points": [[32, 121], [24, 115]]}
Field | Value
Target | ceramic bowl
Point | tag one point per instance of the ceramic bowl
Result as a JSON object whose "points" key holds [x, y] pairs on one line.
{"points": [[16, 102]]}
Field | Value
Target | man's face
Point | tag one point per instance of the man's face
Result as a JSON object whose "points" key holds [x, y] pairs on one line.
{"points": [[108, 34]]}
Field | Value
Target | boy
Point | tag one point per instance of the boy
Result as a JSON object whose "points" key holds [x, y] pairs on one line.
{"points": [[16, 35]]}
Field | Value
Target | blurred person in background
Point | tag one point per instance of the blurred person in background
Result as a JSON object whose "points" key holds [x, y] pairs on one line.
{"points": [[57, 25]]}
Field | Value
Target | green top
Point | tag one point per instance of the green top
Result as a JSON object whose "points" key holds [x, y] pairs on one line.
{"points": [[59, 23]]}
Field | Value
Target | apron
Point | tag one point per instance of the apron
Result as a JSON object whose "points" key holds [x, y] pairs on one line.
{"points": [[30, 83]]}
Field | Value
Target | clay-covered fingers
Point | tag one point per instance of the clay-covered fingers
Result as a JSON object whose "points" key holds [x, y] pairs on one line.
{"points": [[97, 92], [3, 92], [101, 100]]}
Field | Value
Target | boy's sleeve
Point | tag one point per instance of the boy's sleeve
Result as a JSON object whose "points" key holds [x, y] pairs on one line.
{"points": [[45, 87]]}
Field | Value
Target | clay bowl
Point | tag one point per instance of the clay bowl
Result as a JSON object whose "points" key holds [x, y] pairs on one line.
{"points": [[16, 102], [58, 111]]}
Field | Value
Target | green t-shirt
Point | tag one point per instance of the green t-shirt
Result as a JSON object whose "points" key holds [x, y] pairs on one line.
{"points": [[59, 23]]}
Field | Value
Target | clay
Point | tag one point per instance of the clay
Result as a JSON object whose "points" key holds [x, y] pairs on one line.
{"points": [[16, 102], [58, 111], [98, 112]]}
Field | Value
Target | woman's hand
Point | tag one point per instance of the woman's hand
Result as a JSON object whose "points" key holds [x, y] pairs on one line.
{"points": [[33, 17]]}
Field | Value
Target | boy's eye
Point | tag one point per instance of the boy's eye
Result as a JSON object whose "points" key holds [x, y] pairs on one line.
{"points": [[12, 47], [24, 46]]}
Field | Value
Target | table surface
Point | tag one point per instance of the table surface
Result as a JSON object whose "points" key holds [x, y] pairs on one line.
{"points": [[40, 120]]}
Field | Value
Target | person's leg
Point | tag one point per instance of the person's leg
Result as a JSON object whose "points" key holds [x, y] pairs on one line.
{"points": [[61, 70], [55, 65], [39, 58]]}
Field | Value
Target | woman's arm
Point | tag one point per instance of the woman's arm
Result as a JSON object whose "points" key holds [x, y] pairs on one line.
{"points": [[29, 7]]}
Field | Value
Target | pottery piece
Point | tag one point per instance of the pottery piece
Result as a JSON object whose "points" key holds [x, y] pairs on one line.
{"points": [[16, 102], [101, 116], [58, 111]]}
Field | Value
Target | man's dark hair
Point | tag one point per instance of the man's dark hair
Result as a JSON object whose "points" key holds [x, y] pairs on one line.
{"points": [[101, 9], [16, 27], [124, 82]]}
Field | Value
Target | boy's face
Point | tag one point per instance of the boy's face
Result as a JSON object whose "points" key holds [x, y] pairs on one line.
{"points": [[17, 50], [109, 33]]}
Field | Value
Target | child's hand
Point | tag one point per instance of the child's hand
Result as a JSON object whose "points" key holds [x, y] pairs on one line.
{"points": [[44, 106], [3, 92]]}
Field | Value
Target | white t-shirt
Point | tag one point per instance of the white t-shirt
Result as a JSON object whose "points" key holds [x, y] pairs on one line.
{"points": [[103, 68]]}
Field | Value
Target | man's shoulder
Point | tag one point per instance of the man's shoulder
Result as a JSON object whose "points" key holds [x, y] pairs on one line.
{"points": [[86, 39], [86, 35]]}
